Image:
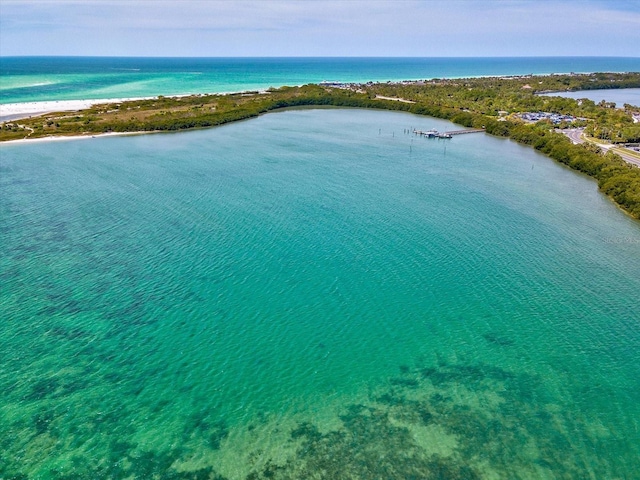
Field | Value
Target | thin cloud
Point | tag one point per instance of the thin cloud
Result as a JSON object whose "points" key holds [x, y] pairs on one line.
{"points": [[315, 27]]}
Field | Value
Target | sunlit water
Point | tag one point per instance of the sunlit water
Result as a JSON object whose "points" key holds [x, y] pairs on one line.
{"points": [[32, 79], [314, 294], [617, 96]]}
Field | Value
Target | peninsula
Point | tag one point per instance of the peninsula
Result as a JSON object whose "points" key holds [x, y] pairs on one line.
{"points": [[503, 106]]}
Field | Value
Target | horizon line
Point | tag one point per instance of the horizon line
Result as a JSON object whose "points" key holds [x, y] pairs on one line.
{"points": [[316, 56]]}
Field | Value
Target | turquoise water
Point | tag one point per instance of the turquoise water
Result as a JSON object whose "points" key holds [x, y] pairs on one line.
{"points": [[31, 79], [313, 293], [619, 97]]}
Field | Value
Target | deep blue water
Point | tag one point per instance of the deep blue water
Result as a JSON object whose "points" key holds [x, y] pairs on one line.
{"points": [[29, 79]]}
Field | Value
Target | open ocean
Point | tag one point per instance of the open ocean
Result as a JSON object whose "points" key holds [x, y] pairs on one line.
{"points": [[32, 79], [313, 293]]}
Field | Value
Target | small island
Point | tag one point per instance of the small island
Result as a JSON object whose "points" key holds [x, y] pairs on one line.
{"points": [[503, 106]]}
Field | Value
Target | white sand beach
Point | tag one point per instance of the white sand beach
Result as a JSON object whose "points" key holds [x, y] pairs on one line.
{"points": [[61, 138], [16, 111]]}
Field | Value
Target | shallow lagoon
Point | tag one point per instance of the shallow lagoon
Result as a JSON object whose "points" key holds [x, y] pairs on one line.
{"points": [[314, 291], [618, 96]]}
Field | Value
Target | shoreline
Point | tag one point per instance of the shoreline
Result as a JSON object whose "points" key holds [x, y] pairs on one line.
{"points": [[20, 111], [618, 181], [59, 138], [82, 136]]}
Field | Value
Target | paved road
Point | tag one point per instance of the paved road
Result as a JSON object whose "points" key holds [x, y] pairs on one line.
{"points": [[627, 157], [575, 135]]}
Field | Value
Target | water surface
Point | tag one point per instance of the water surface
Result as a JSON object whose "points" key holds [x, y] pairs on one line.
{"points": [[314, 291], [617, 96], [32, 79]]}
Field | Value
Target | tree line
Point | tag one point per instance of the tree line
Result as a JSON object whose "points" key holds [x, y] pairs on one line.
{"points": [[487, 103]]}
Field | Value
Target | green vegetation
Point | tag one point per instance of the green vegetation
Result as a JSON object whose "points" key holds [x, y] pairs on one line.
{"points": [[490, 103]]}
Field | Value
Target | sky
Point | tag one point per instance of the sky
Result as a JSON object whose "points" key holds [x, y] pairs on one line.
{"points": [[385, 28]]}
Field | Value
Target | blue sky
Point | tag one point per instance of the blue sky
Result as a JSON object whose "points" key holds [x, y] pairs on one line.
{"points": [[320, 27]]}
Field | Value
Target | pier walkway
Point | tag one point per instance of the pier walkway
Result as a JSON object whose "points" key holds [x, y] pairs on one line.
{"points": [[462, 132], [449, 134]]}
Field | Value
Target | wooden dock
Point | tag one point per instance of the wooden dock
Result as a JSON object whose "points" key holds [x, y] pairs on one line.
{"points": [[462, 132], [449, 134]]}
